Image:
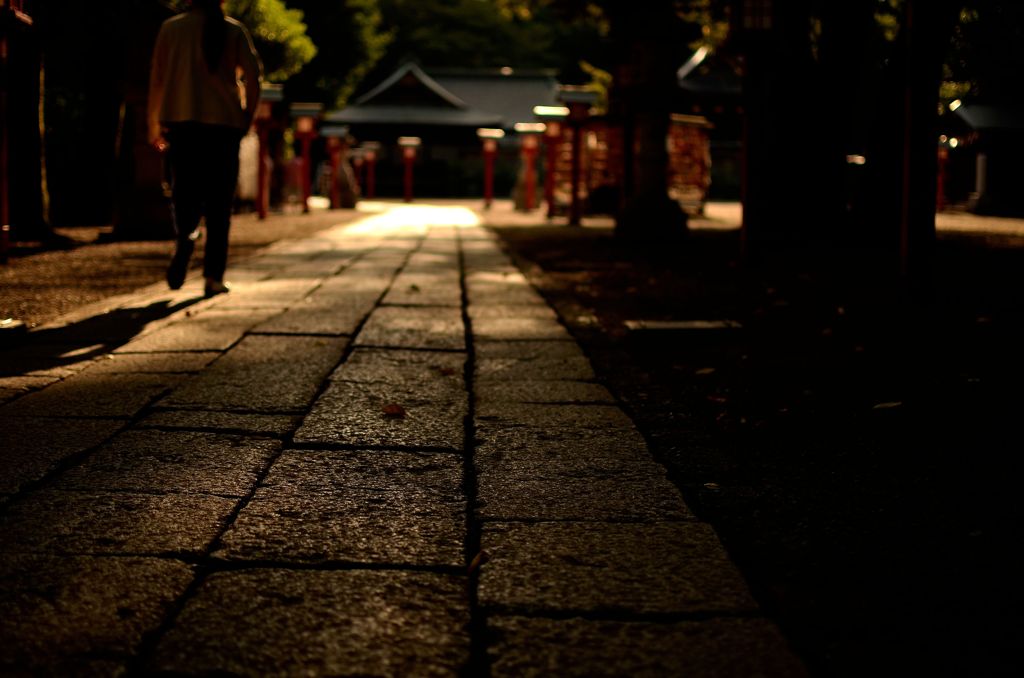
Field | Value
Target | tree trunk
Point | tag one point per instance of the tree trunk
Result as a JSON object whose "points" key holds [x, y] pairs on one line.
{"points": [[22, 65], [927, 28], [642, 98]]}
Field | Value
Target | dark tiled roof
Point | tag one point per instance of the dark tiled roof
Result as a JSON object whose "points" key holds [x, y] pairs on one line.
{"points": [[512, 97], [464, 98], [413, 115], [410, 82]]}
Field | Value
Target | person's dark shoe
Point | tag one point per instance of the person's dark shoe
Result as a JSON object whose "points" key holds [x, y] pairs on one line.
{"points": [[179, 266], [215, 287]]}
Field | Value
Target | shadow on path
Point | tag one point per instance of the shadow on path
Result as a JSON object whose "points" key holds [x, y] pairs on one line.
{"points": [[89, 338]]}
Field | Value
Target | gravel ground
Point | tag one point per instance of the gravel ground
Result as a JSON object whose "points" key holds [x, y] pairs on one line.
{"points": [[38, 286]]}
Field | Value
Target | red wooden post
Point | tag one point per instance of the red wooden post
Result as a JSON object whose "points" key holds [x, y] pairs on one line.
{"points": [[940, 191], [490, 148], [408, 146], [579, 100], [359, 168], [489, 137], [530, 133], [334, 148], [552, 116], [575, 203], [307, 187], [269, 95], [370, 149], [305, 115], [552, 137], [371, 174]]}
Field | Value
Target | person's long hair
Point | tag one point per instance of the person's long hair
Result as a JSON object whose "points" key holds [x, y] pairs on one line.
{"points": [[214, 32]]}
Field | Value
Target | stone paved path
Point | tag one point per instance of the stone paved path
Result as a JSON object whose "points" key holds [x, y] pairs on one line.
{"points": [[381, 454]]}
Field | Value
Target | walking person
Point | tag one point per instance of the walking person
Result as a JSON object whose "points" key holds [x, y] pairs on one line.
{"points": [[203, 91]]}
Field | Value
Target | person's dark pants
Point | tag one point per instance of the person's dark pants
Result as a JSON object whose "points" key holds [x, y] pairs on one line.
{"points": [[204, 169]]}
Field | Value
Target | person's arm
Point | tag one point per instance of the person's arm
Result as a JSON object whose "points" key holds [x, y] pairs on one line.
{"points": [[252, 75], [157, 91]]}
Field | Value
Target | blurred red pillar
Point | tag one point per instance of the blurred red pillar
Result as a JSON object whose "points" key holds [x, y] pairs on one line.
{"points": [[530, 135], [408, 146], [552, 137], [578, 100], [306, 115], [269, 95], [370, 149], [489, 137]]}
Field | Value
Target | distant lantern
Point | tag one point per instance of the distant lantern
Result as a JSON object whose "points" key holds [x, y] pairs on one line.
{"points": [[530, 132], [579, 101], [305, 115], [553, 118], [489, 137], [270, 94], [408, 146], [370, 149]]}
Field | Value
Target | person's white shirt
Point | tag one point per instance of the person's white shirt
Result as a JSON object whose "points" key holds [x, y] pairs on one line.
{"points": [[182, 88]]}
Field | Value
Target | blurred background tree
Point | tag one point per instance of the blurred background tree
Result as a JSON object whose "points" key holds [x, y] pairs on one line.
{"points": [[279, 33], [493, 34], [350, 40]]}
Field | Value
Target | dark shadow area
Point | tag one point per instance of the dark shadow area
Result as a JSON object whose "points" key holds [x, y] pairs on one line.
{"points": [[857, 453], [83, 340]]}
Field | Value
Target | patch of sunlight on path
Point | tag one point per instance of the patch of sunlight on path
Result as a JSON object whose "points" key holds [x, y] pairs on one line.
{"points": [[401, 219]]}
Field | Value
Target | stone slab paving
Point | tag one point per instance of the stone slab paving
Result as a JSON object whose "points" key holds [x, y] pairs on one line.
{"points": [[183, 462], [263, 374], [522, 646], [133, 363], [382, 454], [505, 495], [94, 395], [113, 523], [275, 425], [592, 564], [82, 615], [531, 361], [431, 328], [435, 285], [610, 569], [395, 366], [392, 415], [272, 294], [345, 623], [356, 507], [33, 446], [209, 330]]}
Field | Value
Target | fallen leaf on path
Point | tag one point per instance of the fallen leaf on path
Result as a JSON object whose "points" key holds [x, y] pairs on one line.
{"points": [[446, 371], [394, 411]]}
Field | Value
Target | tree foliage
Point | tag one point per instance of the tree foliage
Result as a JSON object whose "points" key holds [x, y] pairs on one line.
{"points": [[350, 41], [489, 33], [986, 55], [279, 34]]}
